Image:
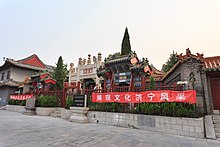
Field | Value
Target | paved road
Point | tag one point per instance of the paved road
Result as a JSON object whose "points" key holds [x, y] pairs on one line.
{"points": [[17, 130]]}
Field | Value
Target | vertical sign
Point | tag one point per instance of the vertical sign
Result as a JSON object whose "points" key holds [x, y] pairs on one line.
{"points": [[79, 100]]}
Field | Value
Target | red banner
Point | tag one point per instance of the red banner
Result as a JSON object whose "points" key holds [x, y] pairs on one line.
{"points": [[188, 96], [21, 97]]}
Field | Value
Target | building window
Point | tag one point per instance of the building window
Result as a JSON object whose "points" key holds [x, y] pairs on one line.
{"points": [[9, 74], [3, 74]]}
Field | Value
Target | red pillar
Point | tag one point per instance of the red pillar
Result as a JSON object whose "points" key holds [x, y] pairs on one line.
{"points": [[143, 83], [131, 87], [112, 82], [78, 87], [105, 85], [63, 101]]}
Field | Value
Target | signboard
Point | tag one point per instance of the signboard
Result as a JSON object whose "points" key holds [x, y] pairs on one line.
{"points": [[30, 103], [188, 96], [79, 100]]}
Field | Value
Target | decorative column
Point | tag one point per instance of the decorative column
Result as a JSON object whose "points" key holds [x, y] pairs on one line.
{"points": [[105, 85], [78, 87], [143, 83], [112, 82], [63, 101], [131, 87], [89, 59], [80, 61]]}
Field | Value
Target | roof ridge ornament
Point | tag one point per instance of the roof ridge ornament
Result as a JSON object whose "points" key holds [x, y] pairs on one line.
{"points": [[188, 55]]}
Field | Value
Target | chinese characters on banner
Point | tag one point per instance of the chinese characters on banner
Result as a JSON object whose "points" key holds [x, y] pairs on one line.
{"points": [[21, 97], [188, 96]]}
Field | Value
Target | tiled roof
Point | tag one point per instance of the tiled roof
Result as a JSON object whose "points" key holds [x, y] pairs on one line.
{"points": [[209, 63], [16, 63], [156, 74], [10, 83], [212, 63], [182, 58], [172, 69], [31, 62], [119, 59]]}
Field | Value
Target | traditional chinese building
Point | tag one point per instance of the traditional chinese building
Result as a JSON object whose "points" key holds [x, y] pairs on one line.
{"points": [[124, 73], [85, 73], [199, 73], [14, 72]]}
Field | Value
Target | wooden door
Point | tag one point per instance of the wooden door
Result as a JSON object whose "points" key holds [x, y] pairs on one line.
{"points": [[215, 86]]}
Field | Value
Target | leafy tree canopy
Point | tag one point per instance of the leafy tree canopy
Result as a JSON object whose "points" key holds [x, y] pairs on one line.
{"points": [[173, 59]]}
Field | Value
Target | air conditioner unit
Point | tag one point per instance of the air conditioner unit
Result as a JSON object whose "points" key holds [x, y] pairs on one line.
{"points": [[17, 92]]}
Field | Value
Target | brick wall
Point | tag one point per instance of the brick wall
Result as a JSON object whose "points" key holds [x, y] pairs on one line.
{"points": [[184, 70]]}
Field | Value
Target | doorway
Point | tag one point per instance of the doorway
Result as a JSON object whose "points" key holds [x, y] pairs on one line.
{"points": [[215, 88]]}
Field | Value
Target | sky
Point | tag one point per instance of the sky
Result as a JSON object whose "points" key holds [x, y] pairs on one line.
{"points": [[76, 28]]}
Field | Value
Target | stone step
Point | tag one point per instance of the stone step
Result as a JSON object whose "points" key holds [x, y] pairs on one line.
{"points": [[55, 115], [216, 121], [57, 111], [217, 130], [216, 112], [216, 117], [217, 135], [216, 125]]}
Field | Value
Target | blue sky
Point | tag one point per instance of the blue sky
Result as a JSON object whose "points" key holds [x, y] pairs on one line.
{"points": [[76, 28]]}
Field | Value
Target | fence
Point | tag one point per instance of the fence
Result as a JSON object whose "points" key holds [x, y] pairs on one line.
{"points": [[61, 96], [58, 94], [158, 86], [153, 108]]}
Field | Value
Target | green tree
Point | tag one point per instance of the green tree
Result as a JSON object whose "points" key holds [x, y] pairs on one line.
{"points": [[60, 74], [125, 46], [152, 83], [173, 59], [117, 54]]}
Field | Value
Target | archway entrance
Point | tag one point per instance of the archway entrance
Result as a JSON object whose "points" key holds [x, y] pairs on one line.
{"points": [[89, 83]]}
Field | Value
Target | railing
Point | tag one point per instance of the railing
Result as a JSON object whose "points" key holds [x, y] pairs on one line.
{"points": [[167, 87], [61, 96], [56, 93], [121, 89], [89, 91]]}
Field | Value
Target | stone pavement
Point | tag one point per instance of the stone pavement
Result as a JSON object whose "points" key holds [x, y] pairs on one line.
{"points": [[17, 130]]}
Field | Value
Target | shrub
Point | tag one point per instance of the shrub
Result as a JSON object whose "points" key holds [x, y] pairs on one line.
{"points": [[23, 103], [17, 102], [168, 109], [69, 102], [164, 109], [152, 83], [46, 101]]}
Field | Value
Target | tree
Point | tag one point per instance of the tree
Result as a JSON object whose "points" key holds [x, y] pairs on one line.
{"points": [[170, 62], [60, 74], [125, 46], [152, 83]]}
